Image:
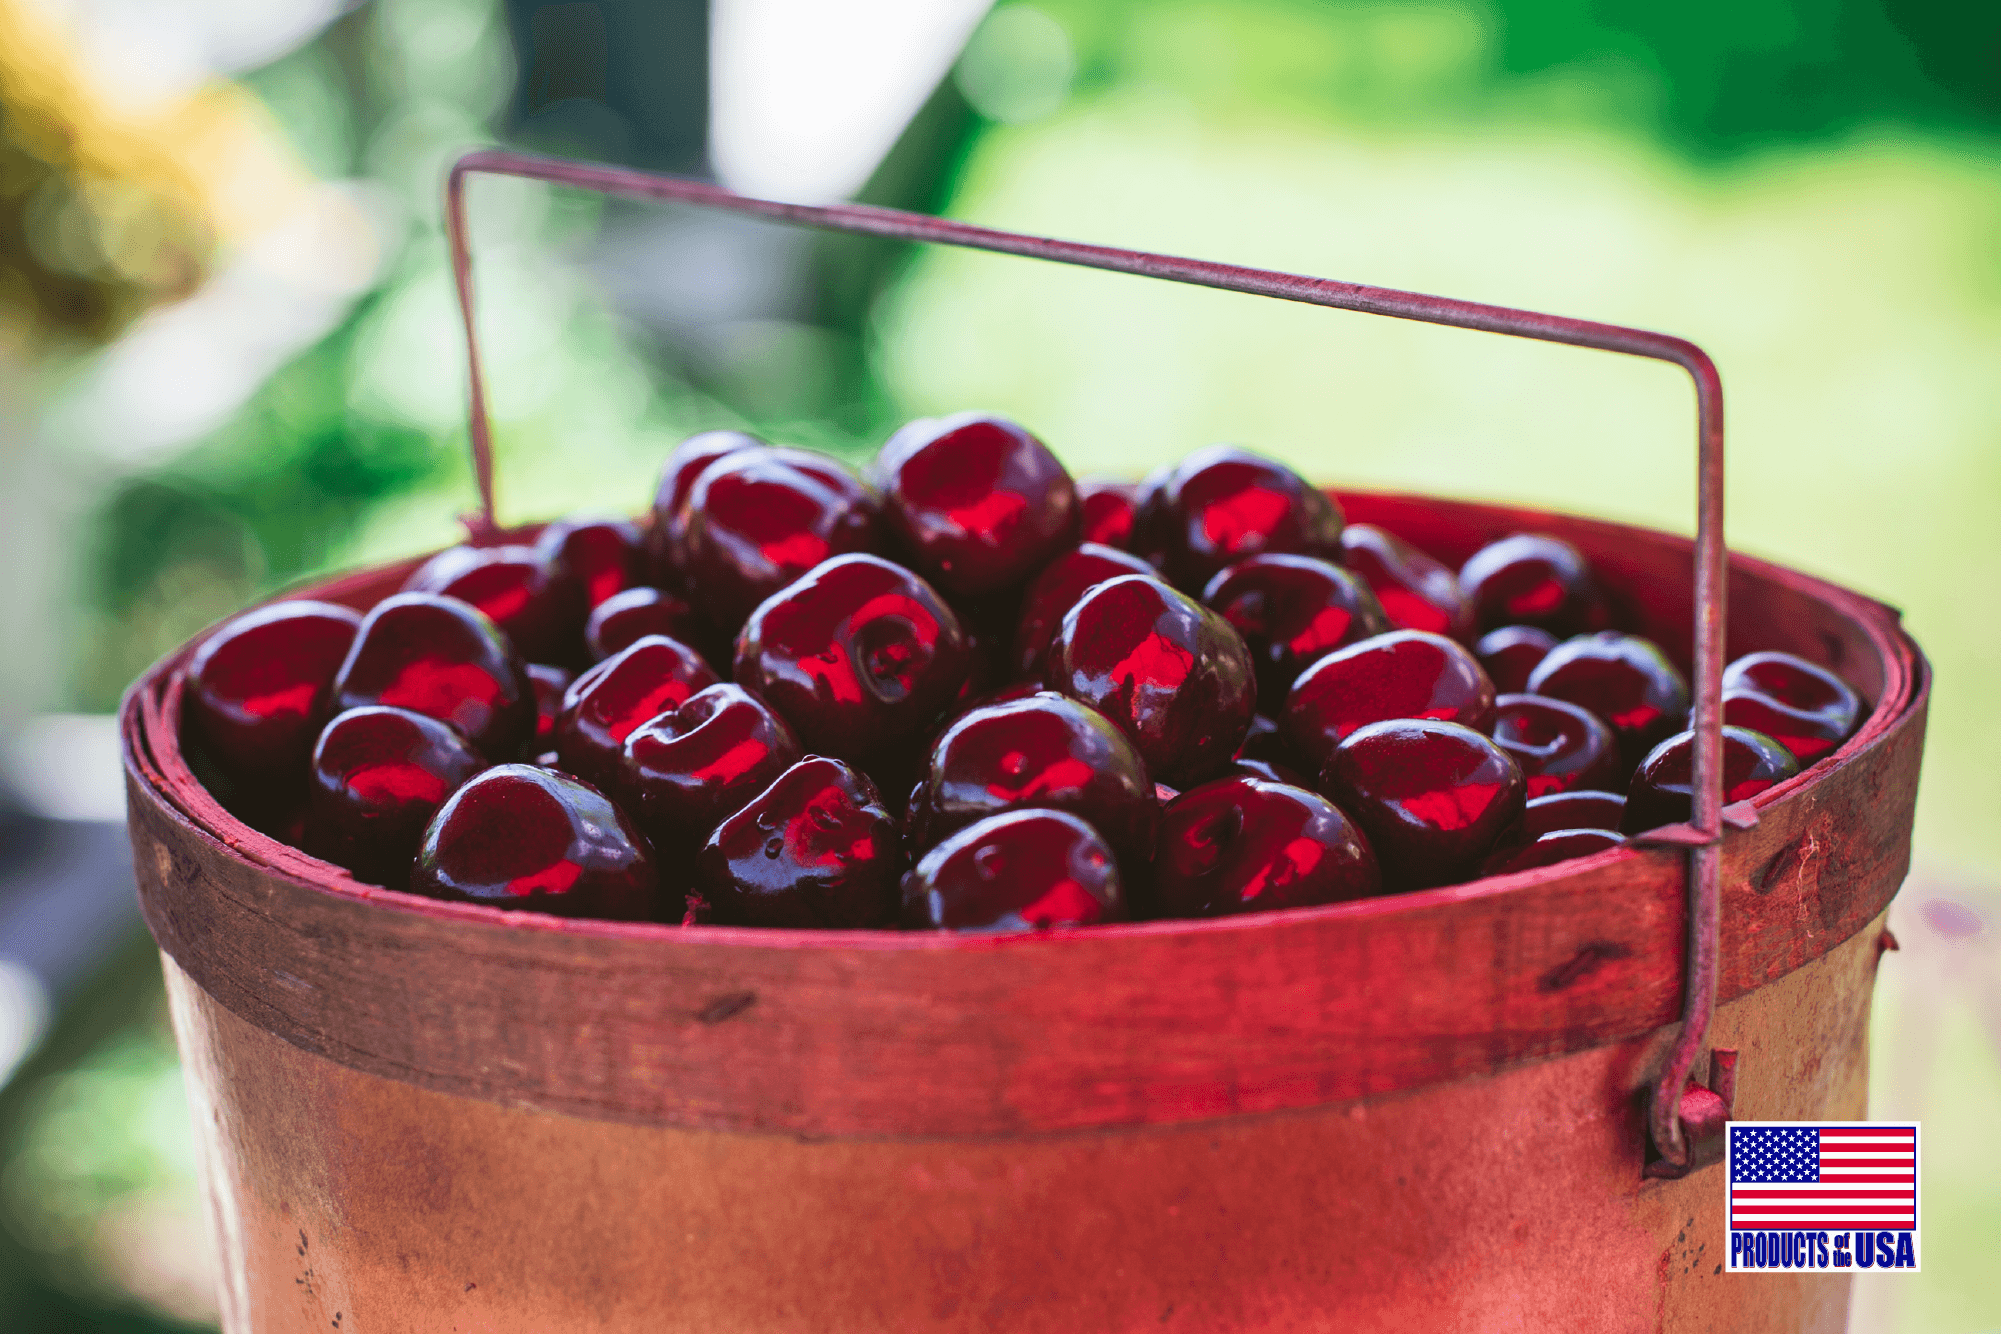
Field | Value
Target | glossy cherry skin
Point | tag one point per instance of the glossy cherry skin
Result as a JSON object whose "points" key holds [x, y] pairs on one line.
{"points": [[1625, 680], [1558, 746], [377, 777], [1293, 611], [686, 463], [1579, 809], [627, 617], [815, 849], [612, 700], [1223, 504], [551, 685], [1663, 786], [257, 689], [1805, 708], [1045, 751], [1106, 506], [1533, 579], [687, 771], [1058, 588], [859, 656], [599, 556], [440, 657], [978, 502], [517, 588], [1511, 653], [522, 837], [1242, 844], [1416, 592], [1403, 674], [1433, 797], [1030, 870], [1172, 675], [759, 518], [1557, 846]]}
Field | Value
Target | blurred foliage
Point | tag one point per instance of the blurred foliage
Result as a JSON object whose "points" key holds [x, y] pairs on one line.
{"points": [[390, 91], [100, 217], [267, 499], [98, 1193], [1713, 78]]}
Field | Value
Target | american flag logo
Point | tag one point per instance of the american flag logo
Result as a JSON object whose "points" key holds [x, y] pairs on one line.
{"points": [[1823, 1176]]}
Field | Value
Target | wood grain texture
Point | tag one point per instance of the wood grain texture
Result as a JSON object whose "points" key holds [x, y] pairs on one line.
{"points": [[1500, 1202], [886, 1035]]}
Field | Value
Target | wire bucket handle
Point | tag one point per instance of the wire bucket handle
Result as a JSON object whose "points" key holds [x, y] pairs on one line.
{"points": [[1684, 1120]]}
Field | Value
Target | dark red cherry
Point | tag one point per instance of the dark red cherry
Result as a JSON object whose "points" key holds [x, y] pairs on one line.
{"points": [[517, 588], [442, 658], [1557, 846], [1293, 611], [626, 617], [257, 689], [521, 837], [978, 502], [550, 684], [599, 556], [1510, 655], [612, 700], [1057, 589], [1663, 786], [1023, 871], [685, 772], [815, 849], [1223, 504], [1045, 751], [1533, 579], [1558, 746], [1807, 709], [759, 518], [378, 776], [1107, 508], [1416, 592], [1581, 809], [1169, 673], [1433, 797], [859, 656], [1625, 680], [685, 465], [1242, 844], [1403, 674]]}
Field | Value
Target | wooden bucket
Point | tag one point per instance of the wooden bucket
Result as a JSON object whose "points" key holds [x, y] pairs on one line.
{"points": [[1416, 1113], [1411, 1113]]}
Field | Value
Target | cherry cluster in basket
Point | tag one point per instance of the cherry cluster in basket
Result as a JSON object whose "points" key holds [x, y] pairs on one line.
{"points": [[968, 693]]}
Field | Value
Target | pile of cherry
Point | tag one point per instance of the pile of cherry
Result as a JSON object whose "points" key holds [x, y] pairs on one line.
{"points": [[968, 693]]}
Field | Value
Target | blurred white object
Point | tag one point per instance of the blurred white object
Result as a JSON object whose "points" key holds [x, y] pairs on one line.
{"points": [[66, 766], [24, 1013], [806, 97]]}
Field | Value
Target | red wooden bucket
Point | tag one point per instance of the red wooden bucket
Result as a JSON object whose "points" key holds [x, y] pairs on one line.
{"points": [[1426, 1112]]}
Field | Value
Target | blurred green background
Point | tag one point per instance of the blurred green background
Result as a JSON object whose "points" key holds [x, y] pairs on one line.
{"points": [[1811, 190]]}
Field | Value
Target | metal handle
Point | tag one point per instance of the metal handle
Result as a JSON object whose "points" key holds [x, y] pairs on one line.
{"points": [[1702, 837]]}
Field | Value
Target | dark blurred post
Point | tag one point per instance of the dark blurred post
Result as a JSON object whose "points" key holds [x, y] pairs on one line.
{"points": [[628, 81]]}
